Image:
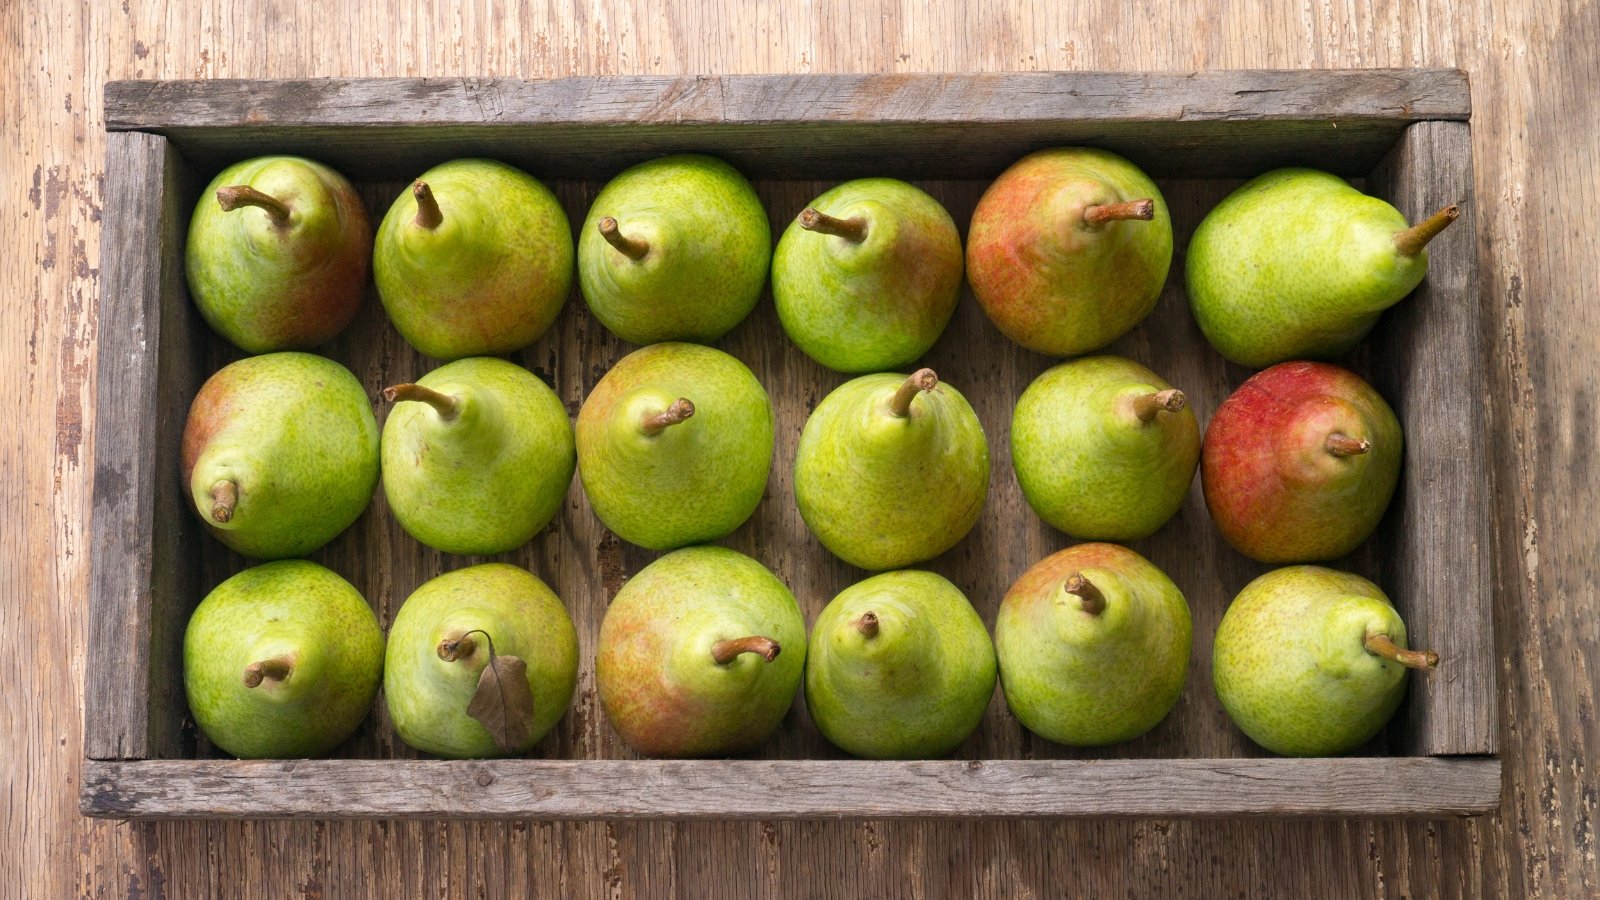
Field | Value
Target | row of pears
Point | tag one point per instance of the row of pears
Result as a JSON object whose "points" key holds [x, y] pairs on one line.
{"points": [[674, 445], [1066, 251], [703, 652]]}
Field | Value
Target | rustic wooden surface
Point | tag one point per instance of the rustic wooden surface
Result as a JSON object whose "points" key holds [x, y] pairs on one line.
{"points": [[1535, 134]]}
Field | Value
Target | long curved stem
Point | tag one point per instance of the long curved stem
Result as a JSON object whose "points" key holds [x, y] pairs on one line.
{"points": [[1112, 212], [1411, 241], [920, 380], [1382, 645], [680, 410], [725, 652], [232, 197], [445, 405], [853, 229], [632, 248]]}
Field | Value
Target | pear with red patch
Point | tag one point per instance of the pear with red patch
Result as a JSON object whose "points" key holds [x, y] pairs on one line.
{"points": [[1300, 463], [278, 253], [1069, 249], [700, 654]]}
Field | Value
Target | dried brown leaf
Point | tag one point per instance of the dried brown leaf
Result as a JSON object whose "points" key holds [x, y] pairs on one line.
{"points": [[503, 702]]}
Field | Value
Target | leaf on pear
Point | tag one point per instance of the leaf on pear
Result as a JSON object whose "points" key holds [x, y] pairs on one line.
{"points": [[503, 702]]}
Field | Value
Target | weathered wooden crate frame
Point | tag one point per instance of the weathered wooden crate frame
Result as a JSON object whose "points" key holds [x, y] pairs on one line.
{"points": [[1405, 131]]}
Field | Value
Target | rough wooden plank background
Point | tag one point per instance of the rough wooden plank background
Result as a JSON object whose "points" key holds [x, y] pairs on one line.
{"points": [[1535, 131]]}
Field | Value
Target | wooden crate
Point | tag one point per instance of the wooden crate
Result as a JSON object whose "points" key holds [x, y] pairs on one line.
{"points": [[1402, 134]]}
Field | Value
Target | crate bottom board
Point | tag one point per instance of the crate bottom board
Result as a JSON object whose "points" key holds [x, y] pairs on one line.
{"points": [[1405, 787]]}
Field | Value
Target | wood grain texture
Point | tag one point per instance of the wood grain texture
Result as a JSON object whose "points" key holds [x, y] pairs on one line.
{"points": [[1427, 358], [788, 789], [142, 532], [972, 125], [1533, 67]]}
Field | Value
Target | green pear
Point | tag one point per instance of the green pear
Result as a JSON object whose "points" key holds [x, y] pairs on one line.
{"points": [[280, 453], [674, 249], [477, 456], [866, 278], [675, 445], [1312, 662], [1093, 644], [1298, 263], [451, 640], [1104, 448], [281, 661], [1069, 249], [900, 667], [277, 254], [474, 260], [891, 471], [701, 654]]}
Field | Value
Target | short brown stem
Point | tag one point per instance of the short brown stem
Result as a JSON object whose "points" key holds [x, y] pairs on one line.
{"points": [[920, 380], [1145, 406], [224, 497], [853, 229], [680, 410], [276, 669], [867, 624], [632, 248], [445, 405], [725, 652], [1342, 445], [463, 646], [1094, 602], [1381, 645], [1113, 212], [231, 198], [1411, 241], [428, 213]]}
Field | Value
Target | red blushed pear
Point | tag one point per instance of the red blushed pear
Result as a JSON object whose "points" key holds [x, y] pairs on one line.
{"points": [[700, 654], [1069, 249], [277, 254], [1300, 463]]}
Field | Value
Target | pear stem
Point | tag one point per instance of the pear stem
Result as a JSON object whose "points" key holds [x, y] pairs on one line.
{"points": [[680, 410], [1145, 406], [725, 652], [1381, 645], [1112, 212], [853, 229], [447, 406], [1342, 445], [277, 669], [428, 213], [920, 380], [1094, 602], [452, 649], [224, 496], [867, 624], [231, 198], [632, 248], [1411, 241]]}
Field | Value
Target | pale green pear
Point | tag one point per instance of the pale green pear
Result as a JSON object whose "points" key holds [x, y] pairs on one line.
{"points": [[891, 471], [900, 667], [1309, 661], [477, 456], [1297, 263]]}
